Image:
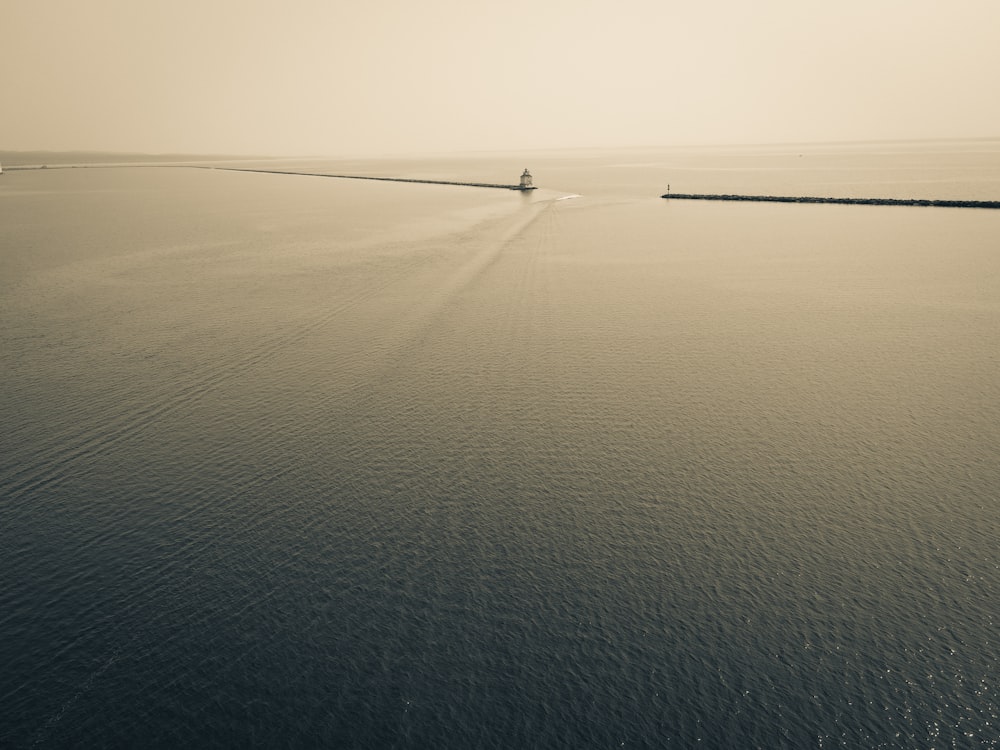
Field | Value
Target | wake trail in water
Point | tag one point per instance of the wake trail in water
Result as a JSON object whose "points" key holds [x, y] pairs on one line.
{"points": [[53, 465], [45, 730], [444, 295], [355, 398]]}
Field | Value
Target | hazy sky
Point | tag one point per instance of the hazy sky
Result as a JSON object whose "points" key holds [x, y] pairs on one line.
{"points": [[388, 76]]}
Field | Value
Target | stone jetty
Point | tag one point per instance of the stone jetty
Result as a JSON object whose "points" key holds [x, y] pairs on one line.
{"points": [[852, 201], [520, 187], [524, 186]]}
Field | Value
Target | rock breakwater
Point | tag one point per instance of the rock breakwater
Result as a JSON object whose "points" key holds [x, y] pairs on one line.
{"points": [[851, 201]]}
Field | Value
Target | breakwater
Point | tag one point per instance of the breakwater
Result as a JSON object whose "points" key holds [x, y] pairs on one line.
{"points": [[496, 186], [380, 179], [852, 201]]}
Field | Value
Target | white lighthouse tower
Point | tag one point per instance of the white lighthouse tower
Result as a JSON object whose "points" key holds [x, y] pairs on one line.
{"points": [[526, 180]]}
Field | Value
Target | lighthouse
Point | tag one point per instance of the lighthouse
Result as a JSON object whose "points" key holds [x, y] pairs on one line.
{"points": [[526, 180]]}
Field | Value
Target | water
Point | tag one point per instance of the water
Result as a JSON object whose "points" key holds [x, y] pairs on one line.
{"points": [[292, 461]]}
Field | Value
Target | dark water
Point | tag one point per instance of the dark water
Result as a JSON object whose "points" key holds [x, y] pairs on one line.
{"points": [[289, 461]]}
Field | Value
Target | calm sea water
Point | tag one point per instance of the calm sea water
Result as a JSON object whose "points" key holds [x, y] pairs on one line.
{"points": [[290, 461]]}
